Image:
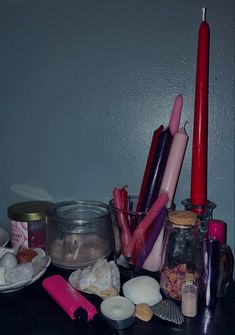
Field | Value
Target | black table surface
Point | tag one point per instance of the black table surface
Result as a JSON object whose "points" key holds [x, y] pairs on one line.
{"points": [[32, 311]]}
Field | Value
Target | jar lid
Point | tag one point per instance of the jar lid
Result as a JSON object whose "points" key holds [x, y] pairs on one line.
{"points": [[28, 210], [182, 218]]}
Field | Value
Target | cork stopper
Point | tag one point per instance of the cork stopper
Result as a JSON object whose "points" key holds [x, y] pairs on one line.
{"points": [[189, 278], [182, 218]]}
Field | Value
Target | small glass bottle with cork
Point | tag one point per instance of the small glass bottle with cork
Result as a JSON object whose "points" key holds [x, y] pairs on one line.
{"points": [[181, 253], [189, 297]]}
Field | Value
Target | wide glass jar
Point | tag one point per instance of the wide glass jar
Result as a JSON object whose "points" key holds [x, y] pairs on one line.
{"points": [[78, 233], [181, 252]]}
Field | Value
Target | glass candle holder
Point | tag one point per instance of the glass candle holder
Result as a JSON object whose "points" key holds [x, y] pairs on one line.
{"points": [[204, 214], [78, 233]]}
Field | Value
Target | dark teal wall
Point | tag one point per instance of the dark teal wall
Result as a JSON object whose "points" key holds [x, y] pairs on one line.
{"points": [[85, 83]]}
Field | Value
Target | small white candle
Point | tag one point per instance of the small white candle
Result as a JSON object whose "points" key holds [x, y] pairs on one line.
{"points": [[120, 311]]}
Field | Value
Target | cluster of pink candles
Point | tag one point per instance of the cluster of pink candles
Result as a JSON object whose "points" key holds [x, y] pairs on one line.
{"points": [[157, 189], [163, 167]]}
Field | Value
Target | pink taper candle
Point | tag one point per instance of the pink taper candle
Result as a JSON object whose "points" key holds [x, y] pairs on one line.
{"points": [[138, 235], [122, 222], [174, 163], [154, 260], [176, 114]]}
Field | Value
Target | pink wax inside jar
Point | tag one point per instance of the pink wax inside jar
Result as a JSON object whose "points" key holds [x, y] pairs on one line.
{"points": [[37, 234]]}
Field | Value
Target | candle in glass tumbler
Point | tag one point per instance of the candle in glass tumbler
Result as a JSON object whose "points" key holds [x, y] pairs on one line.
{"points": [[198, 195], [174, 163], [148, 167], [157, 169]]}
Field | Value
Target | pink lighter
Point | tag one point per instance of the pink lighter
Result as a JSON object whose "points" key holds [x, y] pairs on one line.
{"points": [[68, 298]]}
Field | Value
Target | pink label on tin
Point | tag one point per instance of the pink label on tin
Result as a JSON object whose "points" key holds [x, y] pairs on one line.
{"points": [[19, 234]]}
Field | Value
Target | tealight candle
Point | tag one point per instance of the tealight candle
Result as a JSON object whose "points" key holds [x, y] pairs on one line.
{"points": [[118, 311]]}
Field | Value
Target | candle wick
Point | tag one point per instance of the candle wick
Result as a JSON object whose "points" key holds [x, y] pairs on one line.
{"points": [[203, 13]]}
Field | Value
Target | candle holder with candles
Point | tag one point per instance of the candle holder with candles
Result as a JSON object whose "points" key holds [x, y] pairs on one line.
{"points": [[204, 214], [140, 246]]}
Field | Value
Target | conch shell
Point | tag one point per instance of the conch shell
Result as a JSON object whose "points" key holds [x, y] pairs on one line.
{"points": [[102, 279]]}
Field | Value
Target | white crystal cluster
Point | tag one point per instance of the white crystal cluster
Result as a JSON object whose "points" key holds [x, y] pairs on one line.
{"points": [[102, 279]]}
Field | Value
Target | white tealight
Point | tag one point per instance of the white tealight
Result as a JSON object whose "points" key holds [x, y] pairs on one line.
{"points": [[119, 311]]}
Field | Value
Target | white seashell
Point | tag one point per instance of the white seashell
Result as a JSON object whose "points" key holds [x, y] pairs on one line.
{"points": [[8, 261], [168, 310], [19, 272], [142, 289], [2, 276]]}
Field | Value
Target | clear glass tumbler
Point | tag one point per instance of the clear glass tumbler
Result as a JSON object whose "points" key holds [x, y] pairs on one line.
{"points": [[138, 236]]}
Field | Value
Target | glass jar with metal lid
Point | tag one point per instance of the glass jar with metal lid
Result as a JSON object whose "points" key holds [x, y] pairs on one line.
{"points": [[182, 252], [78, 233], [27, 224]]}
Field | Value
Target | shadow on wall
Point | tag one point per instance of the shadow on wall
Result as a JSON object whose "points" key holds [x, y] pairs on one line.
{"points": [[31, 192]]}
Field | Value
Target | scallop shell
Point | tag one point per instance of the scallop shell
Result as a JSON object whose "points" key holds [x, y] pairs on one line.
{"points": [[168, 310], [142, 289]]}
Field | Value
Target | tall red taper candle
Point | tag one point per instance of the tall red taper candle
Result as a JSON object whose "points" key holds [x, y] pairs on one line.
{"points": [[200, 132]]}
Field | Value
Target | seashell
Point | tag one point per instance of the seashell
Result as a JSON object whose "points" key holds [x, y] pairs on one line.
{"points": [[8, 261], [19, 272], [102, 279], [168, 310], [142, 289], [2, 276]]}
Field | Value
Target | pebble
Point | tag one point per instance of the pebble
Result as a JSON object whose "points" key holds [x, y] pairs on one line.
{"points": [[143, 312]]}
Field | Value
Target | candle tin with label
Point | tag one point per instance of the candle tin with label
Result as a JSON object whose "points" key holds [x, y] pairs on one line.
{"points": [[27, 224]]}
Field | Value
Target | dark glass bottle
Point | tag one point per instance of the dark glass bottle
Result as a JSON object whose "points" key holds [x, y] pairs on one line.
{"points": [[216, 230]]}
